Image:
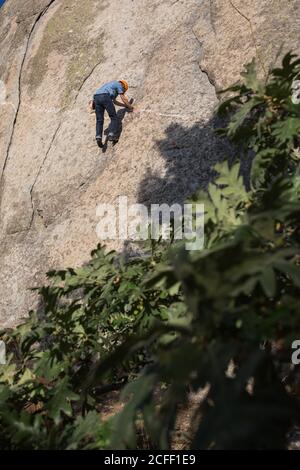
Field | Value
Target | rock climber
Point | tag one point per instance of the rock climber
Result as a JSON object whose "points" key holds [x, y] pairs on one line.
{"points": [[105, 99]]}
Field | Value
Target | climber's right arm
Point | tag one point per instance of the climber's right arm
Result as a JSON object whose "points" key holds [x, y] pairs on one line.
{"points": [[126, 102], [117, 103]]}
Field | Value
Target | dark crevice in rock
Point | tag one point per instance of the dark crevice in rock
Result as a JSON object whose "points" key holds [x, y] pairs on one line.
{"points": [[253, 35], [85, 80], [26, 18], [16, 232], [202, 69], [210, 79], [35, 23]]}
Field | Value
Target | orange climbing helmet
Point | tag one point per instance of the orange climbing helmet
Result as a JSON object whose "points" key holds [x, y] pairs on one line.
{"points": [[125, 84]]}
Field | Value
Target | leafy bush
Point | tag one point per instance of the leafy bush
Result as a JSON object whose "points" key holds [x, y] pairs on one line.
{"points": [[88, 312], [220, 321]]}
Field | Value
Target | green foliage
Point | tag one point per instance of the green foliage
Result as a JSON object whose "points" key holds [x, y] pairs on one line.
{"points": [[265, 120], [219, 322], [225, 203], [88, 312]]}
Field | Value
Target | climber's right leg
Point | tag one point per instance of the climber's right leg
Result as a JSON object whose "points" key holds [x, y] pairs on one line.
{"points": [[99, 108], [110, 108]]}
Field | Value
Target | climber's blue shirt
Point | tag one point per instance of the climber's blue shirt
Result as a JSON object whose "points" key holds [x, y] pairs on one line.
{"points": [[114, 89]]}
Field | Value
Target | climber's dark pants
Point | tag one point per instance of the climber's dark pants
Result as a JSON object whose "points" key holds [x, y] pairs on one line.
{"points": [[102, 103]]}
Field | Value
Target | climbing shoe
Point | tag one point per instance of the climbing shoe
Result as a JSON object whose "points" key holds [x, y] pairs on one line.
{"points": [[99, 141], [112, 137]]}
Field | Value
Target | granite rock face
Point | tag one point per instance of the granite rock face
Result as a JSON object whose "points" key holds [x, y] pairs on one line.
{"points": [[54, 54]]}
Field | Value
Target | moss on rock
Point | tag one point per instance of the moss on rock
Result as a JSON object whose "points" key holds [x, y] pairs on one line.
{"points": [[67, 33]]}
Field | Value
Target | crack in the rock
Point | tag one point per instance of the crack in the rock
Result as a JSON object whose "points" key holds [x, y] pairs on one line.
{"points": [[202, 70], [39, 172], [17, 108], [22, 20], [210, 79], [85, 80], [262, 63], [36, 21]]}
